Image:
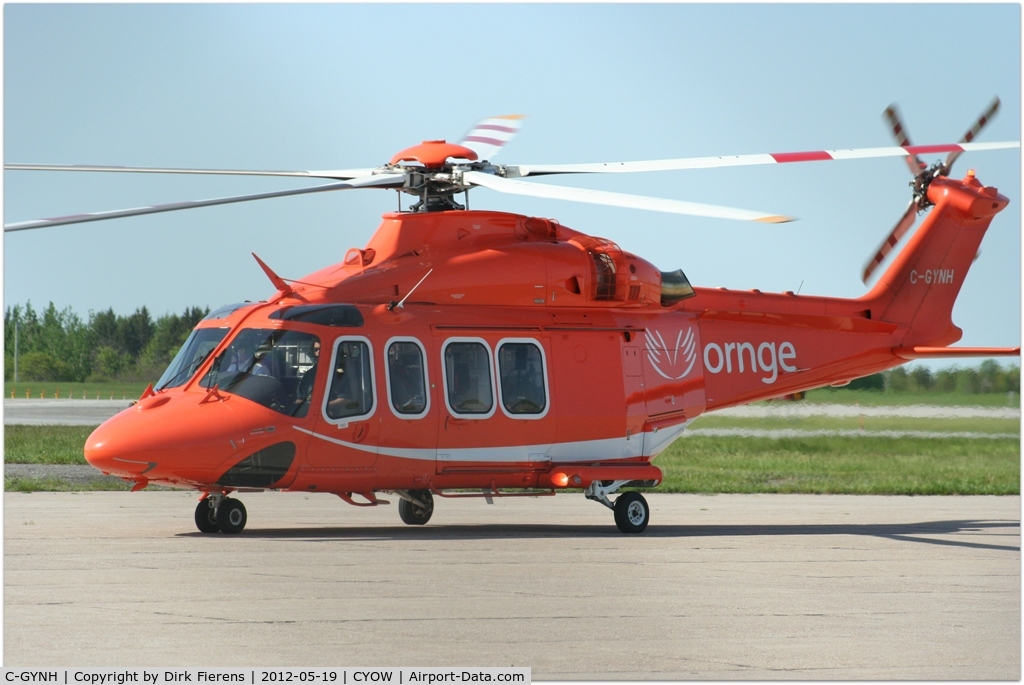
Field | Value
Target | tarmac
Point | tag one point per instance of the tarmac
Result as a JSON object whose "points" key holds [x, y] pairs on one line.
{"points": [[724, 587], [64, 412]]}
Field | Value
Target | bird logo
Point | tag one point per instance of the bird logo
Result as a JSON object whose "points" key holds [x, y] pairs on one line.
{"points": [[675, 362]]}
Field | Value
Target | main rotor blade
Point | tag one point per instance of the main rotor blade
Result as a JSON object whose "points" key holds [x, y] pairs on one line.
{"points": [[488, 136], [904, 224], [340, 174], [379, 181], [748, 160], [973, 131], [601, 197]]}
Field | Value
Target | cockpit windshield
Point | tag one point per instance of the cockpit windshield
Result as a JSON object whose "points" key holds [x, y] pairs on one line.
{"points": [[272, 367], [191, 356]]}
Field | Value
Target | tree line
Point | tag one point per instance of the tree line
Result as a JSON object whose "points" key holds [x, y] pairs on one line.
{"points": [[988, 377], [58, 345]]}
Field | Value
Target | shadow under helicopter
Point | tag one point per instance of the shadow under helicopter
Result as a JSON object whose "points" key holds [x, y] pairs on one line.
{"points": [[902, 532]]}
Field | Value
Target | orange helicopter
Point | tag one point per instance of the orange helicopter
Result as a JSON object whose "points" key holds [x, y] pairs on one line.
{"points": [[475, 353]]}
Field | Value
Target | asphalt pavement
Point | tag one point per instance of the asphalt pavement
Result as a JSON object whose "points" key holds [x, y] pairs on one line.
{"points": [[725, 587], [77, 412]]}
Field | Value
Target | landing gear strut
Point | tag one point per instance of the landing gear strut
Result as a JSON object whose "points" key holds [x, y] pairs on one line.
{"points": [[632, 513], [219, 513], [415, 506]]}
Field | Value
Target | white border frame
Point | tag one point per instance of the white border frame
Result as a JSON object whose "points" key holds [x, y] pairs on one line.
{"points": [[544, 370], [490, 368], [344, 421], [426, 376]]}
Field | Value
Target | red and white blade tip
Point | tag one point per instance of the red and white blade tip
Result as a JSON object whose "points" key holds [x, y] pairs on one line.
{"points": [[489, 135]]}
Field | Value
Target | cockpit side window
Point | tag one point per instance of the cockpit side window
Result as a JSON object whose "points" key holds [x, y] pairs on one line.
{"points": [[350, 388], [407, 378], [272, 367]]}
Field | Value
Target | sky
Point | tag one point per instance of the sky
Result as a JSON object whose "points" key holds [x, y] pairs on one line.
{"points": [[321, 86]]}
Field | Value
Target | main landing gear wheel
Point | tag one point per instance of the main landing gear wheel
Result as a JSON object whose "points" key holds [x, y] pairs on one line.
{"points": [[413, 514], [206, 517], [231, 516], [632, 514]]}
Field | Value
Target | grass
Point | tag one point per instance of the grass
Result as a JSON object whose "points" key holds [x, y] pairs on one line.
{"points": [[866, 423], [51, 484], [45, 444], [826, 465], [103, 391], [874, 398], [861, 465]]}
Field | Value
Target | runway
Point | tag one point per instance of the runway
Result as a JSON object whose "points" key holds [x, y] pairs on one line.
{"points": [[65, 412], [720, 587]]}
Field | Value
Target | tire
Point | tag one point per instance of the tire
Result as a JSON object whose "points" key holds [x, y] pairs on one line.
{"points": [[231, 516], [415, 515], [206, 517], [632, 514]]}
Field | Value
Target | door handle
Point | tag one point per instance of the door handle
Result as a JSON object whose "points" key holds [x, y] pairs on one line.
{"points": [[451, 420], [359, 432]]}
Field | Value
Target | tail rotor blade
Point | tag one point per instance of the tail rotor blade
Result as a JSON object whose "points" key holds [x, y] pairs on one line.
{"points": [[902, 226], [986, 117], [899, 132]]}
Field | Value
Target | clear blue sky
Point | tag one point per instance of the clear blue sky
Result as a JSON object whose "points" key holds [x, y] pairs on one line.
{"points": [[339, 86]]}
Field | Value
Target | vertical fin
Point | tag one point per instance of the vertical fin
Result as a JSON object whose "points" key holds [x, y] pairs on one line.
{"points": [[921, 285]]}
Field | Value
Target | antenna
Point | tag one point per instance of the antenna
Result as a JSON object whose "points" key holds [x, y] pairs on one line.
{"points": [[398, 305]]}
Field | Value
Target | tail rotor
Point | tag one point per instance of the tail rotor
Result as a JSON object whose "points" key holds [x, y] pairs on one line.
{"points": [[923, 175]]}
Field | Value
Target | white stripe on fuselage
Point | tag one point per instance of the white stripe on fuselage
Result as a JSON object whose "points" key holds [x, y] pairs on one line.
{"points": [[589, 450]]}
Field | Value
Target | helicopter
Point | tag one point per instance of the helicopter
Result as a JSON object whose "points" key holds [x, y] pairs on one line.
{"points": [[475, 353]]}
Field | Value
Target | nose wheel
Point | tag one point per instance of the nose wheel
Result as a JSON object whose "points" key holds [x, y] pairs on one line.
{"points": [[206, 516], [217, 513]]}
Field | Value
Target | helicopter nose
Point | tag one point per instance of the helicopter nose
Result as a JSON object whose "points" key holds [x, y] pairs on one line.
{"points": [[126, 445], [174, 438], [114, 447]]}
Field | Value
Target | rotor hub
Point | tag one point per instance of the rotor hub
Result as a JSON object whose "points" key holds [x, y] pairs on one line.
{"points": [[433, 154]]}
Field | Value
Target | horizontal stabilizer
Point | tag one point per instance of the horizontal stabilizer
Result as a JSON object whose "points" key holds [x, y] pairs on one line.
{"points": [[954, 352]]}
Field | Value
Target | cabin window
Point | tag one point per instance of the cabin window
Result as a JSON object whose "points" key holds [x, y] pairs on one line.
{"points": [[469, 389], [521, 379], [272, 367], [201, 342], [350, 390], [407, 378]]}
